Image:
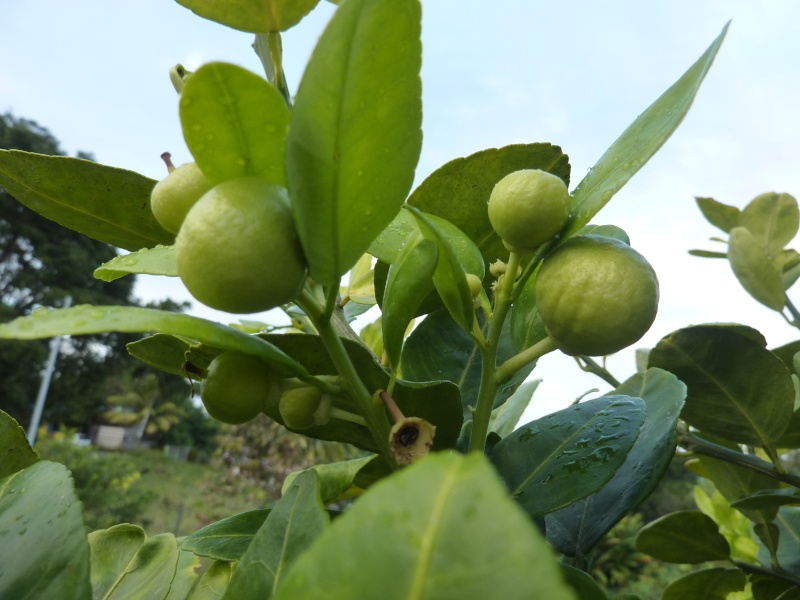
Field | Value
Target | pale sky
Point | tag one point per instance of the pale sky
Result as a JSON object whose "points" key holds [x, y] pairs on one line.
{"points": [[574, 73]]}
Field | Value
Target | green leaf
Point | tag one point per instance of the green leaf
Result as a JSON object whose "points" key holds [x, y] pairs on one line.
{"points": [[772, 219], [638, 142], [768, 499], [104, 203], [186, 575], [506, 416], [788, 524], [147, 261], [722, 216], [127, 565], [254, 16], [162, 351], [228, 539], [214, 582], [683, 537], [786, 353], [708, 254], [611, 231], [43, 535], [527, 327], [442, 528], [294, 523], [576, 529], [459, 190], [728, 376], [14, 447], [709, 584], [407, 285], [355, 136], [87, 319], [450, 279], [439, 348], [582, 583], [545, 463], [234, 123], [437, 402], [755, 271], [336, 480]]}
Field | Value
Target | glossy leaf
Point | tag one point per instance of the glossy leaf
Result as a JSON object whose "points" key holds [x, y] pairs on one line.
{"points": [[294, 523], [449, 278], [582, 583], [772, 219], [438, 349], [722, 216], [576, 529], [228, 539], [437, 402], [709, 584], [459, 190], [127, 565], [442, 528], [104, 203], [162, 351], [728, 375], [87, 319], [754, 269], [768, 499], [336, 480], [214, 582], [147, 261], [14, 447], [683, 537], [546, 462], [506, 416], [255, 16], [234, 123], [407, 285], [355, 136], [42, 532], [639, 142]]}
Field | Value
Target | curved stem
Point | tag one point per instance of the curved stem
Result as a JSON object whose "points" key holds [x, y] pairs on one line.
{"points": [[515, 363], [794, 312], [590, 366]]}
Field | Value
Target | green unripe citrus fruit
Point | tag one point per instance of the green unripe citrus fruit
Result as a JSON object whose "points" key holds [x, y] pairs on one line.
{"points": [[596, 295], [238, 250], [302, 408], [528, 208], [238, 387], [173, 196]]}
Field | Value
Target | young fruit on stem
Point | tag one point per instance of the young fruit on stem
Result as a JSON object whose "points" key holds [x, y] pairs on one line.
{"points": [[238, 386], [306, 407], [528, 208], [238, 250], [596, 295], [173, 196]]}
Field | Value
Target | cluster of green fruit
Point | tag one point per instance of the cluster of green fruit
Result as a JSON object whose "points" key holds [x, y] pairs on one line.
{"points": [[596, 295], [236, 248]]}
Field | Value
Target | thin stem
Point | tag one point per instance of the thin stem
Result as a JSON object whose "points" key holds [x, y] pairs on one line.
{"points": [[331, 302], [757, 569], [591, 366], [775, 459], [515, 363], [795, 313], [344, 415]]}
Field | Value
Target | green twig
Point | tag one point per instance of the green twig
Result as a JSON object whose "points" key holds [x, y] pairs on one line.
{"points": [[515, 363], [759, 570], [591, 366]]}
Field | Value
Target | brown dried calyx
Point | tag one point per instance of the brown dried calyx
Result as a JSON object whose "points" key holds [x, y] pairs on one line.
{"points": [[411, 438]]}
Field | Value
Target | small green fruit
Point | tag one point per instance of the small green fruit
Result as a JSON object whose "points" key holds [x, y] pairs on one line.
{"points": [[238, 251], [173, 196], [528, 208], [596, 295], [305, 407], [238, 387]]}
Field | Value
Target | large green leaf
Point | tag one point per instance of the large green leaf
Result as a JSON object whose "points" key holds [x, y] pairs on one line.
{"points": [[355, 137], [638, 142], [214, 582], [442, 528], [506, 416], [186, 575], [14, 447], [228, 539], [729, 376], [147, 261], [234, 123], [255, 16], [42, 535], [126, 565], [162, 351], [459, 190], [788, 525], [683, 537], [773, 220], [722, 216], [768, 499], [546, 463], [755, 271], [576, 529], [336, 480], [439, 348], [107, 204], [294, 523], [709, 584]]}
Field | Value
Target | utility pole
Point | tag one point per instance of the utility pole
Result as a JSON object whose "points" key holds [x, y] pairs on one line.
{"points": [[55, 346]]}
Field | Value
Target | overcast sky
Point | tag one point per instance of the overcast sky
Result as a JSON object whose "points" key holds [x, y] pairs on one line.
{"points": [[574, 73]]}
